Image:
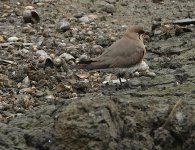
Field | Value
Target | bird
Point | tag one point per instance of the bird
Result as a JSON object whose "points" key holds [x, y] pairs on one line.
{"points": [[122, 57]]}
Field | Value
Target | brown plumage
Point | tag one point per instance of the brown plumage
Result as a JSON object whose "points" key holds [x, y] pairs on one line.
{"points": [[126, 52]]}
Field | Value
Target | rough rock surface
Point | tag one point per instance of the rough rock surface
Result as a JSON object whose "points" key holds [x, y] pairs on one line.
{"points": [[45, 106]]}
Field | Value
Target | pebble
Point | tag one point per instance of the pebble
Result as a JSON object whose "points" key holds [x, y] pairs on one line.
{"points": [[157, 32], [27, 44], [124, 2], [109, 8], [143, 66], [60, 44], [79, 15], [96, 49], [6, 6], [24, 50], [111, 1], [41, 58], [31, 16], [151, 74], [26, 82], [29, 7], [40, 4], [12, 39], [63, 26], [67, 56], [103, 41], [57, 61], [83, 58], [72, 40], [84, 19], [35, 1], [2, 39], [89, 32], [41, 52]]}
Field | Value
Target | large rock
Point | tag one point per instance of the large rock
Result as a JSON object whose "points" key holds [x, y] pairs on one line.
{"points": [[89, 124]]}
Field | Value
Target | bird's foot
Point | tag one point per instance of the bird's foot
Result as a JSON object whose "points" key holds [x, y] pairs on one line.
{"points": [[125, 85]]}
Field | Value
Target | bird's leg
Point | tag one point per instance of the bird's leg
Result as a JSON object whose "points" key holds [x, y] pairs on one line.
{"points": [[120, 80], [126, 78], [119, 76], [123, 75]]}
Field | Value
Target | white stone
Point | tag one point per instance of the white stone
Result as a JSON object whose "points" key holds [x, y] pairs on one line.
{"points": [[12, 39]]}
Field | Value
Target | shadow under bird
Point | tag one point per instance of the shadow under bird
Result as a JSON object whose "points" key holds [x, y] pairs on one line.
{"points": [[122, 57]]}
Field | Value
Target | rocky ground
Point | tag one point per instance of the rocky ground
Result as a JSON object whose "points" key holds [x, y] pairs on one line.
{"points": [[44, 105]]}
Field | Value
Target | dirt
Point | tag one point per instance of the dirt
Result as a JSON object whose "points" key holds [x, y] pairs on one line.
{"points": [[46, 105]]}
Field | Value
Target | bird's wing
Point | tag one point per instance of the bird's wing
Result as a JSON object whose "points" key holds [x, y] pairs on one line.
{"points": [[122, 54], [128, 60]]}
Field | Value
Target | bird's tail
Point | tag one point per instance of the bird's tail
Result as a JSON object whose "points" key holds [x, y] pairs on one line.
{"points": [[89, 66]]}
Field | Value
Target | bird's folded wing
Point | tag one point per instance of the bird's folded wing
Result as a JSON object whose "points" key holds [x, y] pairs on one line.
{"points": [[128, 60], [122, 54]]}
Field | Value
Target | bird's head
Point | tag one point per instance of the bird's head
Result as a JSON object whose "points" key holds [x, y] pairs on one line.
{"points": [[136, 32]]}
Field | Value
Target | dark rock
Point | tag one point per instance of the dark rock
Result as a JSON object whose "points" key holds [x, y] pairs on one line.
{"points": [[163, 138], [63, 26], [88, 125], [31, 16], [109, 8], [79, 15], [103, 41]]}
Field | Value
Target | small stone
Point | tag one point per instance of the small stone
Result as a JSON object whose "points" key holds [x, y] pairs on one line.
{"points": [[92, 9], [58, 61], [41, 58], [67, 56], [63, 26], [143, 67], [111, 1], [26, 82], [35, 1], [12, 39], [72, 40], [136, 74], [31, 16], [2, 39], [109, 8], [150, 74], [84, 19], [41, 52], [40, 4], [24, 51], [124, 2], [102, 41], [157, 32], [89, 32], [61, 44], [52, 55], [79, 15], [49, 97], [29, 7], [6, 6], [96, 50], [27, 44], [180, 117], [93, 16], [83, 58]]}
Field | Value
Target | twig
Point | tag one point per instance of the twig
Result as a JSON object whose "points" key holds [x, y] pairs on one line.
{"points": [[7, 61], [172, 113]]}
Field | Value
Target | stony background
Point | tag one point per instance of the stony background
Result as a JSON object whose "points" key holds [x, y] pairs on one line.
{"points": [[45, 108]]}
